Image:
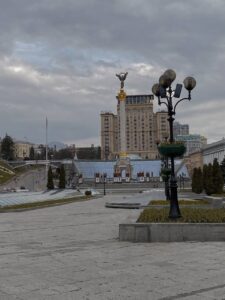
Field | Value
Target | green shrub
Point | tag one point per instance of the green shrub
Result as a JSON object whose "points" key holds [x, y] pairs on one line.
{"points": [[194, 181], [87, 193], [181, 202], [213, 178], [197, 181], [62, 177], [217, 178], [50, 184], [222, 167], [189, 215], [208, 180]]}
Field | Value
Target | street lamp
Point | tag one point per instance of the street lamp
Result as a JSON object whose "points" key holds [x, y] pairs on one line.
{"points": [[166, 171], [104, 182], [165, 94]]}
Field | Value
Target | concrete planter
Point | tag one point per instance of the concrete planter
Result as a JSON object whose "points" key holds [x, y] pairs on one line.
{"points": [[172, 232]]}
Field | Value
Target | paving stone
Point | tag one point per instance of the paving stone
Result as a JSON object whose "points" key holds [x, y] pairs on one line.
{"points": [[73, 252]]}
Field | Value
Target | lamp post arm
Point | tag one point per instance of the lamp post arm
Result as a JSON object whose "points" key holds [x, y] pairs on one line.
{"points": [[189, 98], [162, 102]]}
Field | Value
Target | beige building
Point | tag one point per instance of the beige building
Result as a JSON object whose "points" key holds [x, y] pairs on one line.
{"points": [[194, 160], [109, 135], [143, 128], [22, 149]]}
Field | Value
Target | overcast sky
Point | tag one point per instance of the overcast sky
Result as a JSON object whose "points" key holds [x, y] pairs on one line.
{"points": [[58, 58]]}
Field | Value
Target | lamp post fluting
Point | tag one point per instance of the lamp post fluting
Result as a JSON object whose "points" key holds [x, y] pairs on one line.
{"points": [[163, 90]]}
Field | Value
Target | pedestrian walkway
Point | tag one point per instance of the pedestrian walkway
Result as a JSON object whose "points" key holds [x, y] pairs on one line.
{"points": [[72, 252]]}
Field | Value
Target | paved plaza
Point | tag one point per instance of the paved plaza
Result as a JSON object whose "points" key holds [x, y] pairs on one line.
{"points": [[72, 252]]}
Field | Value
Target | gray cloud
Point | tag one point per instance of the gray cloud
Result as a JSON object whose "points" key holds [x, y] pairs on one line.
{"points": [[59, 58]]}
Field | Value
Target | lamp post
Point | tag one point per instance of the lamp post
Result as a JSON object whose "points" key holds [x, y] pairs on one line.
{"points": [[165, 171], [163, 90], [104, 182], [166, 165]]}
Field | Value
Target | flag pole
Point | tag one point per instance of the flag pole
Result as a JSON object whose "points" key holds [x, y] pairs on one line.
{"points": [[46, 148]]}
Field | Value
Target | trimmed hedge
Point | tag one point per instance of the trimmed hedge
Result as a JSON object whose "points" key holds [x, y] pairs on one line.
{"points": [[88, 193], [189, 215], [181, 202]]}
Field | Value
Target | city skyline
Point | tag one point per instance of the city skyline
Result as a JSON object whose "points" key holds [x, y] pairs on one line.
{"points": [[60, 61]]}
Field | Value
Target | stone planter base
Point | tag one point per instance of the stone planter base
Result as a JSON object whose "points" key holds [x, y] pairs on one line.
{"points": [[172, 232]]}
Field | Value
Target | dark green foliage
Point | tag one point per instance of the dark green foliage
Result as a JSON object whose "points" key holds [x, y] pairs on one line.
{"points": [[31, 155], [50, 184], [217, 178], [7, 148], [205, 170], [194, 181], [181, 202], [62, 178], [89, 152], [197, 181], [200, 181], [87, 193], [208, 180], [98, 154], [189, 215], [63, 154], [222, 166]]}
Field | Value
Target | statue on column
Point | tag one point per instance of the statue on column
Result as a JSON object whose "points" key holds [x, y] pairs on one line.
{"points": [[122, 78]]}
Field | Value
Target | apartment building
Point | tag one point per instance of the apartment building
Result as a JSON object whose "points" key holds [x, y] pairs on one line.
{"points": [[143, 128], [180, 129]]}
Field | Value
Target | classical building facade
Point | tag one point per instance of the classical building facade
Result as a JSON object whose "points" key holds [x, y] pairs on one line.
{"points": [[22, 149], [143, 128], [214, 150], [206, 155]]}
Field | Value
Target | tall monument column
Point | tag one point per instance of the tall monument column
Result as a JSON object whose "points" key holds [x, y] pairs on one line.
{"points": [[123, 167], [122, 101]]}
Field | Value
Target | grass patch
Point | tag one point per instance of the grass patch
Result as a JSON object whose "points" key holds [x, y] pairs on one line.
{"points": [[189, 215], [4, 164], [187, 190], [6, 171], [22, 169], [43, 204], [218, 195], [4, 176], [181, 202]]}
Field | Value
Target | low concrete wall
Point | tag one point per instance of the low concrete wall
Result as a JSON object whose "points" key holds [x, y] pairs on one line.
{"points": [[216, 202], [123, 205], [172, 232]]}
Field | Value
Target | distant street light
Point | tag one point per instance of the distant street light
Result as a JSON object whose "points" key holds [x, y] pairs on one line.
{"points": [[163, 90], [104, 182]]}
